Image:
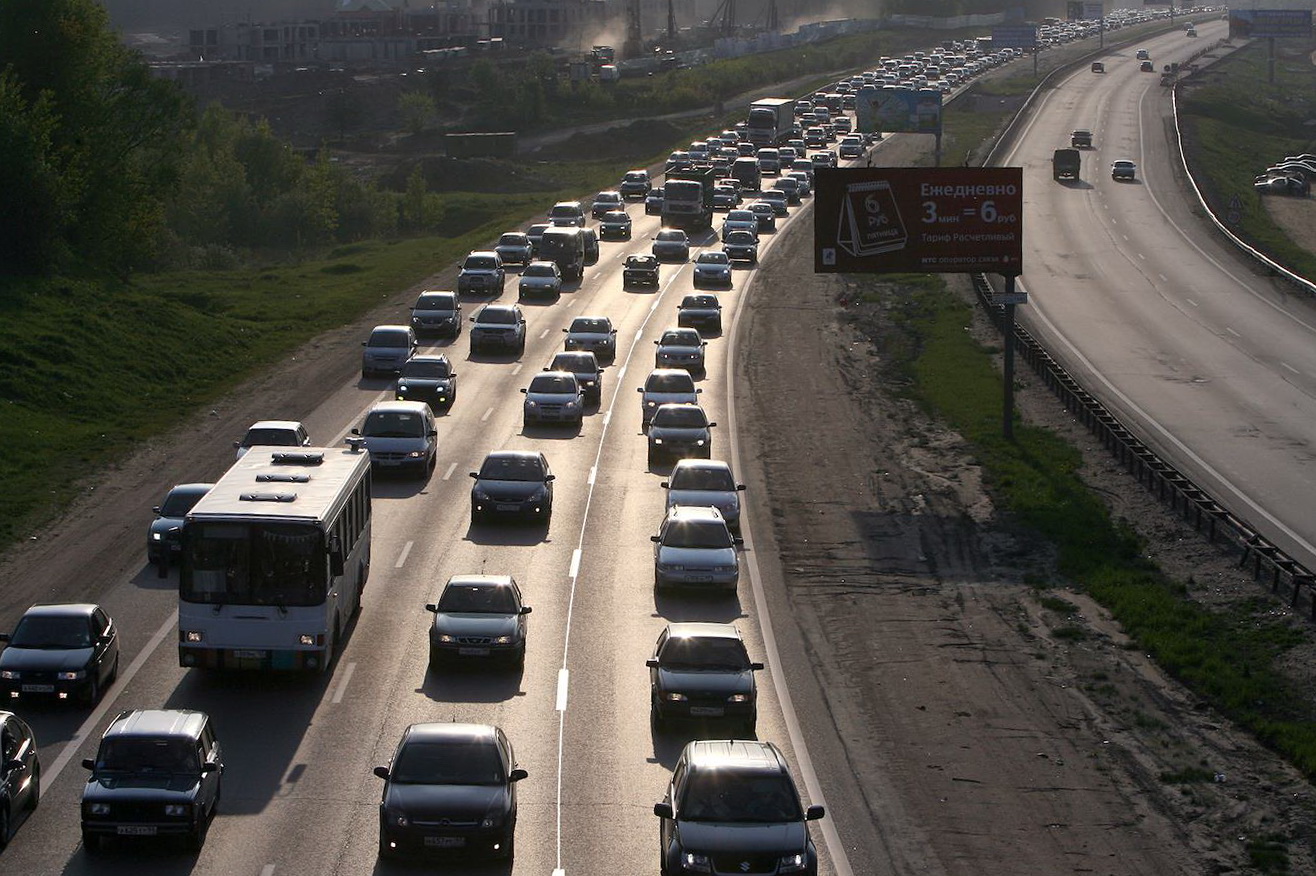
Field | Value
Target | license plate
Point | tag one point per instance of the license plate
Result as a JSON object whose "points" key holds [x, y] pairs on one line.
{"points": [[445, 842], [136, 830], [250, 655], [508, 507], [701, 579], [707, 711], [38, 688], [473, 652]]}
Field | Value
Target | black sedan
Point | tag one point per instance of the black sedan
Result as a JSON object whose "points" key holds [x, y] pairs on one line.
{"points": [[164, 537], [450, 789], [429, 379], [479, 617], [20, 772], [60, 651], [512, 483], [702, 311], [702, 671]]}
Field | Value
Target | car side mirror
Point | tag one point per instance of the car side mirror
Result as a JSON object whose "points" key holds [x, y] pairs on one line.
{"points": [[756, 666], [382, 772], [525, 609], [156, 510], [88, 763], [639, 389], [104, 638], [525, 391], [737, 540], [655, 343], [565, 331], [363, 343], [4, 637], [209, 767], [697, 391], [666, 485], [474, 474], [651, 663], [472, 319], [433, 433], [356, 431], [813, 813], [740, 486], [517, 775], [432, 606], [13, 765], [654, 538], [548, 478], [663, 810], [711, 425]]}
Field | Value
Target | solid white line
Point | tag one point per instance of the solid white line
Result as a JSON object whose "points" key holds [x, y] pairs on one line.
{"points": [[451, 468], [406, 549], [558, 871], [563, 675], [50, 773], [517, 369], [1232, 332], [1191, 301], [267, 870], [342, 685], [621, 373], [1289, 367], [640, 332], [607, 418], [593, 473], [486, 415], [575, 564], [543, 334]]}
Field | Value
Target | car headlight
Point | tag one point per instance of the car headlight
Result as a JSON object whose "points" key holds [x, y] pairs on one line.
{"points": [[491, 821], [191, 636], [155, 536], [396, 817], [738, 698], [696, 862], [415, 454], [72, 676], [792, 863], [98, 809], [571, 405], [10, 675], [445, 638], [674, 697], [651, 404], [699, 443], [657, 441], [503, 640], [479, 495], [177, 810], [402, 387]]}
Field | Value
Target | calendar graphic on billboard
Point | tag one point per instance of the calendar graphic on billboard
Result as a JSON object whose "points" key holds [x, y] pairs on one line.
{"points": [[870, 221]]}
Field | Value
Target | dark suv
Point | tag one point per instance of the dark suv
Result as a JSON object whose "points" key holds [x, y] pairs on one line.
{"points": [[731, 807], [156, 773]]}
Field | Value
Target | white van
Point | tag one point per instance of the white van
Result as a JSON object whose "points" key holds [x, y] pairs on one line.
{"points": [[400, 436]]}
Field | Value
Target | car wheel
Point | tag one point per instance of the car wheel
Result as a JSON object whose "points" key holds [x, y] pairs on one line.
{"points": [[93, 693], [4, 827], [114, 672], [34, 792], [384, 850], [91, 843], [653, 456], [436, 660], [196, 840], [509, 845]]}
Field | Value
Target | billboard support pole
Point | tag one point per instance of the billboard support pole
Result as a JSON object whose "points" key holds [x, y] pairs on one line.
{"points": [[936, 149], [1007, 413], [1270, 62]]}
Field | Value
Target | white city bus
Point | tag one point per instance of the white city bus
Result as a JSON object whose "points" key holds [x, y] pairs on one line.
{"points": [[275, 557]]}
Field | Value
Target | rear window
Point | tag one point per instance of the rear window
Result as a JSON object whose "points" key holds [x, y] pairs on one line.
{"points": [[516, 239]]}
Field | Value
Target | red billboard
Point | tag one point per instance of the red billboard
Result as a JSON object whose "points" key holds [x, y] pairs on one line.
{"points": [[944, 220]]}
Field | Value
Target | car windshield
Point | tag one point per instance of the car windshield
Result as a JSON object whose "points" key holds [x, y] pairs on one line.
{"points": [[427, 368], [480, 263], [477, 599], [680, 339], [534, 270], [393, 424], [740, 216], [512, 468], [697, 534], [269, 438], [732, 796], [607, 198], [616, 216], [513, 240], [553, 383], [565, 211], [142, 755], [680, 418], [718, 653], [389, 338], [741, 238], [706, 479], [435, 303], [179, 502], [590, 325], [701, 302], [51, 632], [499, 316], [712, 258], [670, 383], [536, 230], [450, 762], [576, 363]]}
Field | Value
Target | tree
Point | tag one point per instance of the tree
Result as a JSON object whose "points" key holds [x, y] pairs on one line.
{"points": [[418, 111]]}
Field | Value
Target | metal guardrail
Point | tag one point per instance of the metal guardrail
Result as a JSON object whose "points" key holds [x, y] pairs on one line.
{"points": [[1177, 491]]}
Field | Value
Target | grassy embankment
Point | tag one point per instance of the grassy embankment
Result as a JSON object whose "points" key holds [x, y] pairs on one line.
{"points": [[91, 367], [1237, 124], [1227, 656]]}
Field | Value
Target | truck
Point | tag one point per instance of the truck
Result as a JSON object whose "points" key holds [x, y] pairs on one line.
{"points": [[688, 198], [1065, 164], [771, 120]]}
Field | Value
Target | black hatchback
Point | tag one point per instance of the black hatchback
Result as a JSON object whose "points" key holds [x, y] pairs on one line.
{"points": [[61, 651], [20, 772], [512, 483]]}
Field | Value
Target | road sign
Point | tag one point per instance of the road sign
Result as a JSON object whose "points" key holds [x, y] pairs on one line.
{"points": [[946, 220], [1251, 23], [891, 109], [1015, 36]]}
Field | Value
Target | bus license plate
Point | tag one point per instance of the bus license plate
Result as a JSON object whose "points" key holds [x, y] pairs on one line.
{"points": [[250, 655]]}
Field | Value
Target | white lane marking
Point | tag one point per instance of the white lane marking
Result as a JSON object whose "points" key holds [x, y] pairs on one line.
{"points": [[519, 366], [406, 549], [593, 471], [621, 373], [267, 870], [640, 332], [1289, 367], [575, 562], [452, 467], [543, 334], [563, 676], [1191, 301], [558, 871], [571, 303], [486, 415], [1232, 332], [607, 418], [1164, 279], [1143, 257], [342, 684], [50, 773]]}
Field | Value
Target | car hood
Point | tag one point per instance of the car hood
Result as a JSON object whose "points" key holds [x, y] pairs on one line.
{"points": [[44, 659], [706, 557], [493, 327], [680, 350], [459, 803], [386, 353], [723, 501], [757, 839], [589, 337], [395, 445], [509, 489], [470, 624], [162, 525], [679, 433], [709, 681], [160, 786], [552, 398], [540, 281], [700, 311], [663, 398], [425, 382]]}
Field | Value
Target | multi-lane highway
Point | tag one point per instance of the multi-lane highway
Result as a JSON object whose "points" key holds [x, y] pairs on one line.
{"points": [[1154, 312]]}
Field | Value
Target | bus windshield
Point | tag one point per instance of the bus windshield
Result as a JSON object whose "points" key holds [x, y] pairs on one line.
{"points": [[282, 564]]}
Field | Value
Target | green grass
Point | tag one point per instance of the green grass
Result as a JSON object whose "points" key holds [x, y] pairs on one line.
{"points": [[1226, 658], [1239, 123]]}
